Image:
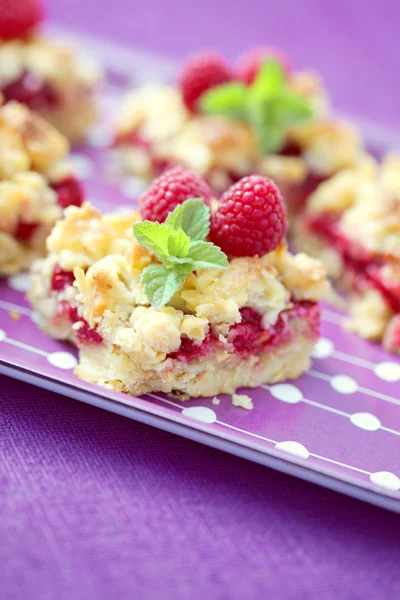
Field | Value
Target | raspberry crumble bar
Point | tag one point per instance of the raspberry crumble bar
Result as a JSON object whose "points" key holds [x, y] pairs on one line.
{"points": [[225, 123], [353, 224], [44, 74], [36, 184], [167, 305]]}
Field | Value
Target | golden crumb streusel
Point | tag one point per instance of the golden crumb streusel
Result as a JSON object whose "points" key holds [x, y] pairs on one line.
{"points": [[137, 342]]}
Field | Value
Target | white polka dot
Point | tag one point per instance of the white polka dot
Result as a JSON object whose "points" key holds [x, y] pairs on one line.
{"points": [[19, 283], [133, 187], [365, 421], [388, 371], [386, 479], [286, 392], [200, 413], [62, 360], [100, 136], [293, 448], [82, 165], [344, 384], [323, 348], [3, 335]]}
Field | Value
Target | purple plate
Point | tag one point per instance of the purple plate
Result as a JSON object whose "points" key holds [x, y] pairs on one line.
{"points": [[338, 425]]}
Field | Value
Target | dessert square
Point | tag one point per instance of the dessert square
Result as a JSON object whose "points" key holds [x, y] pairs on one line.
{"points": [[203, 123], [352, 223], [246, 321], [36, 184], [45, 74]]}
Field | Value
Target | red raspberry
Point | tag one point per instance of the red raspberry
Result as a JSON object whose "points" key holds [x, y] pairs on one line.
{"points": [[25, 230], [199, 74], [250, 219], [18, 17], [170, 189], [60, 279], [69, 191], [248, 65]]}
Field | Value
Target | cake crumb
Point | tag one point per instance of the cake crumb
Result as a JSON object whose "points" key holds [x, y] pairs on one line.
{"points": [[215, 400], [15, 315], [242, 400]]}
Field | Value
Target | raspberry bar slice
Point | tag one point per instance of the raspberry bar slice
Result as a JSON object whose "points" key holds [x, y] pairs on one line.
{"points": [[159, 307], [353, 224], [44, 74], [36, 184], [226, 123]]}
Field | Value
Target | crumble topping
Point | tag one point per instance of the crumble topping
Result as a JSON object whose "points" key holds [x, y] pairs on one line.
{"points": [[339, 192], [328, 145], [27, 194], [369, 315], [35, 144], [45, 59], [242, 400], [33, 158], [85, 236], [367, 200]]}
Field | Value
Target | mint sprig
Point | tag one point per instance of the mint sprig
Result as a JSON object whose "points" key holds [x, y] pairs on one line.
{"points": [[180, 246], [268, 105]]}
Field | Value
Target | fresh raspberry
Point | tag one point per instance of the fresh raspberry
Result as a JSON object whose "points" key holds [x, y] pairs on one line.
{"points": [[69, 191], [18, 17], [250, 219], [170, 189], [199, 74], [249, 64]]}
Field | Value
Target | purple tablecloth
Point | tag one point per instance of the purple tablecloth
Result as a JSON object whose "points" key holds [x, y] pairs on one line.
{"points": [[96, 506]]}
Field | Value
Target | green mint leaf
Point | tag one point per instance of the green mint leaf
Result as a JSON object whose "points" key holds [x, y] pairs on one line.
{"points": [[269, 128], [180, 265], [291, 108], [205, 255], [193, 217], [269, 81], [178, 244], [160, 283], [227, 99], [154, 237]]}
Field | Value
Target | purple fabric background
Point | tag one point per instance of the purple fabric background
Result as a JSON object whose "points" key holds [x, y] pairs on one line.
{"points": [[96, 506]]}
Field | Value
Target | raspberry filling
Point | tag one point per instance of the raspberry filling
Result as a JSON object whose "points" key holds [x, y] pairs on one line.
{"points": [[249, 337], [24, 231], [189, 350], [60, 279], [33, 92], [363, 267], [84, 333], [69, 192]]}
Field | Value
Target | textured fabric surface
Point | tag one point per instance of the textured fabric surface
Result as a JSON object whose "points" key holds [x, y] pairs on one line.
{"points": [[96, 506]]}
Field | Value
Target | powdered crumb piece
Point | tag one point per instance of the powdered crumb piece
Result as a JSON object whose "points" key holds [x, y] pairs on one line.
{"points": [[242, 400], [15, 315], [215, 400]]}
